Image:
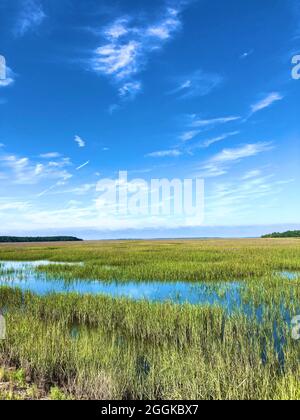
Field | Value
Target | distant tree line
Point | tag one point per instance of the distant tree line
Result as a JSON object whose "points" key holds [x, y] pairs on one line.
{"points": [[6, 239], [288, 234]]}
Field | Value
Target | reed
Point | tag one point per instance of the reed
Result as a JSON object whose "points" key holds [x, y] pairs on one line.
{"points": [[99, 347], [89, 347], [164, 260]]}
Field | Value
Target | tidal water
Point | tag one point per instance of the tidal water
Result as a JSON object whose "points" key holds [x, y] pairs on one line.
{"points": [[23, 275], [228, 295]]}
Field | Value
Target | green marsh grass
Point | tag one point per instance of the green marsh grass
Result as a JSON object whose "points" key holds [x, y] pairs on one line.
{"points": [[124, 349], [193, 260], [98, 347]]}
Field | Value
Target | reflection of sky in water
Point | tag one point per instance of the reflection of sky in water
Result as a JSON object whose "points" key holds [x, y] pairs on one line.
{"points": [[226, 295], [289, 275], [25, 265], [26, 278]]}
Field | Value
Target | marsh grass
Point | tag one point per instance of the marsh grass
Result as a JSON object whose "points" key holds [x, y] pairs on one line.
{"points": [[136, 350], [104, 348], [193, 260]]}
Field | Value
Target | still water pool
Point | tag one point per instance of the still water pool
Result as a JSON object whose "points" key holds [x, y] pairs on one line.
{"points": [[228, 295], [24, 276]]}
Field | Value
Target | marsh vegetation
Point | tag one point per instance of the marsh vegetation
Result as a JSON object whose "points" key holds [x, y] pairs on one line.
{"points": [[99, 346]]}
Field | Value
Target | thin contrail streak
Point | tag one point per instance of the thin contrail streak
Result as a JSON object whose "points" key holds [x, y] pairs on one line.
{"points": [[82, 166]]}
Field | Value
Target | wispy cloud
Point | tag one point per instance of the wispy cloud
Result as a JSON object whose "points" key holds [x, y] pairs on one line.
{"points": [[120, 61], [231, 155], [128, 43], [218, 164], [165, 153], [196, 84], [246, 54], [21, 170], [189, 135], [30, 17], [130, 90], [208, 142], [266, 102], [78, 190], [252, 174], [166, 26], [50, 155], [81, 143], [233, 200], [208, 123], [13, 205], [195, 125]]}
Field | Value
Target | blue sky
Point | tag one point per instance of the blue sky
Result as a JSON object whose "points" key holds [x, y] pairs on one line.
{"points": [[164, 88]]}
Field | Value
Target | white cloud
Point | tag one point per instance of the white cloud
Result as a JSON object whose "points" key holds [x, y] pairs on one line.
{"points": [[78, 190], [197, 124], [164, 153], [204, 123], [196, 84], [189, 135], [209, 142], [10, 204], [165, 28], [61, 163], [234, 200], [81, 143], [128, 42], [130, 90], [266, 102], [30, 17], [218, 164], [252, 174], [230, 155], [88, 216], [246, 54], [190, 148], [118, 29], [20, 170], [50, 155], [120, 61]]}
